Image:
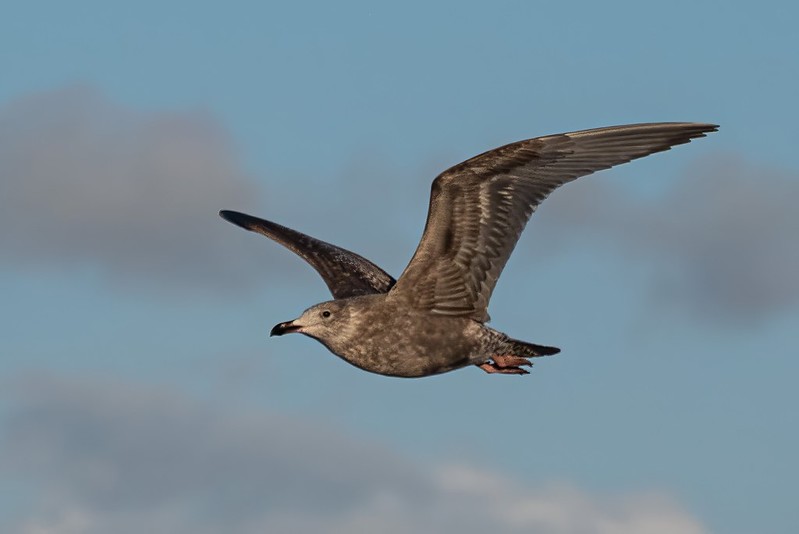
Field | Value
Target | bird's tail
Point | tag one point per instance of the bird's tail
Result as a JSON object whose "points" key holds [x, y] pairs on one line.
{"points": [[530, 350]]}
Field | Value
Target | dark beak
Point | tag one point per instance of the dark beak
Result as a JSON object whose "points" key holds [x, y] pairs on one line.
{"points": [[284, 328]]}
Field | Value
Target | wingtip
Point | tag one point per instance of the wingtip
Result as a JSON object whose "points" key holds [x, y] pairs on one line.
{"points": [[709, 127], [703, 129], [698, 127], [689, 130], [233, 217], [254, 224]]}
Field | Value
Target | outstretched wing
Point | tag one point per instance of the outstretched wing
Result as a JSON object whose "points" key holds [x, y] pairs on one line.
{"points": [[346, 274], [479, 208]]}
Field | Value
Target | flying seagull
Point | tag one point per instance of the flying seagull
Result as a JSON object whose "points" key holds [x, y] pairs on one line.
{"points": [[433, 318]]}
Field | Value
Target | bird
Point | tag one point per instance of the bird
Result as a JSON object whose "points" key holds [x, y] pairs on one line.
{"points": [[432, 319]]}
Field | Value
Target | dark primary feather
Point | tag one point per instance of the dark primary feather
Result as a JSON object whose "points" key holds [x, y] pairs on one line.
{"points": [[479, 208], [346, 274]]}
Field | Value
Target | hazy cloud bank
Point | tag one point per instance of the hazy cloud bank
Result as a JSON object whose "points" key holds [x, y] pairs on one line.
{"points": [[89, 182], [116, 457], [724, 236]]}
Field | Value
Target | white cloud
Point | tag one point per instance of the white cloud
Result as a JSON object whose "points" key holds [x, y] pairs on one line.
{"points": [[116, 457]]}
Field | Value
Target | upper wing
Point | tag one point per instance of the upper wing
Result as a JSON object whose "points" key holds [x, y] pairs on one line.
{"points": [[479, 208], [346, 274]]}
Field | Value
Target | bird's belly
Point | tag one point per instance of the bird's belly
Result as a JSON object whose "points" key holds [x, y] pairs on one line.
{"points": [[426, 347]]}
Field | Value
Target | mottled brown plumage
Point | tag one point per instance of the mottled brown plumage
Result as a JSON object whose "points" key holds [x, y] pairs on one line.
{"points": [[431, 320]]}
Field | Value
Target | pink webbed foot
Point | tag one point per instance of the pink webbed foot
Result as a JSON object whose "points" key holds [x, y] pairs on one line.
{"points": [[506, 365], [509, 360]]}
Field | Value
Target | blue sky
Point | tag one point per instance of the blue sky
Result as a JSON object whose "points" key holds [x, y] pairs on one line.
{"points": [[140, 385]]}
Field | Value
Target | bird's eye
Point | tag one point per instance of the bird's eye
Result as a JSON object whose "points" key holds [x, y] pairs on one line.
{"points": [[326, 314]]}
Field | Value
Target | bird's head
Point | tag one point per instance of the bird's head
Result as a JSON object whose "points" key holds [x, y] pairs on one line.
{"points": [[325, 322]]}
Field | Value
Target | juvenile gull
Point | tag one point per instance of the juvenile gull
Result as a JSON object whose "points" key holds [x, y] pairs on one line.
{"points": [[432, 319]]}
